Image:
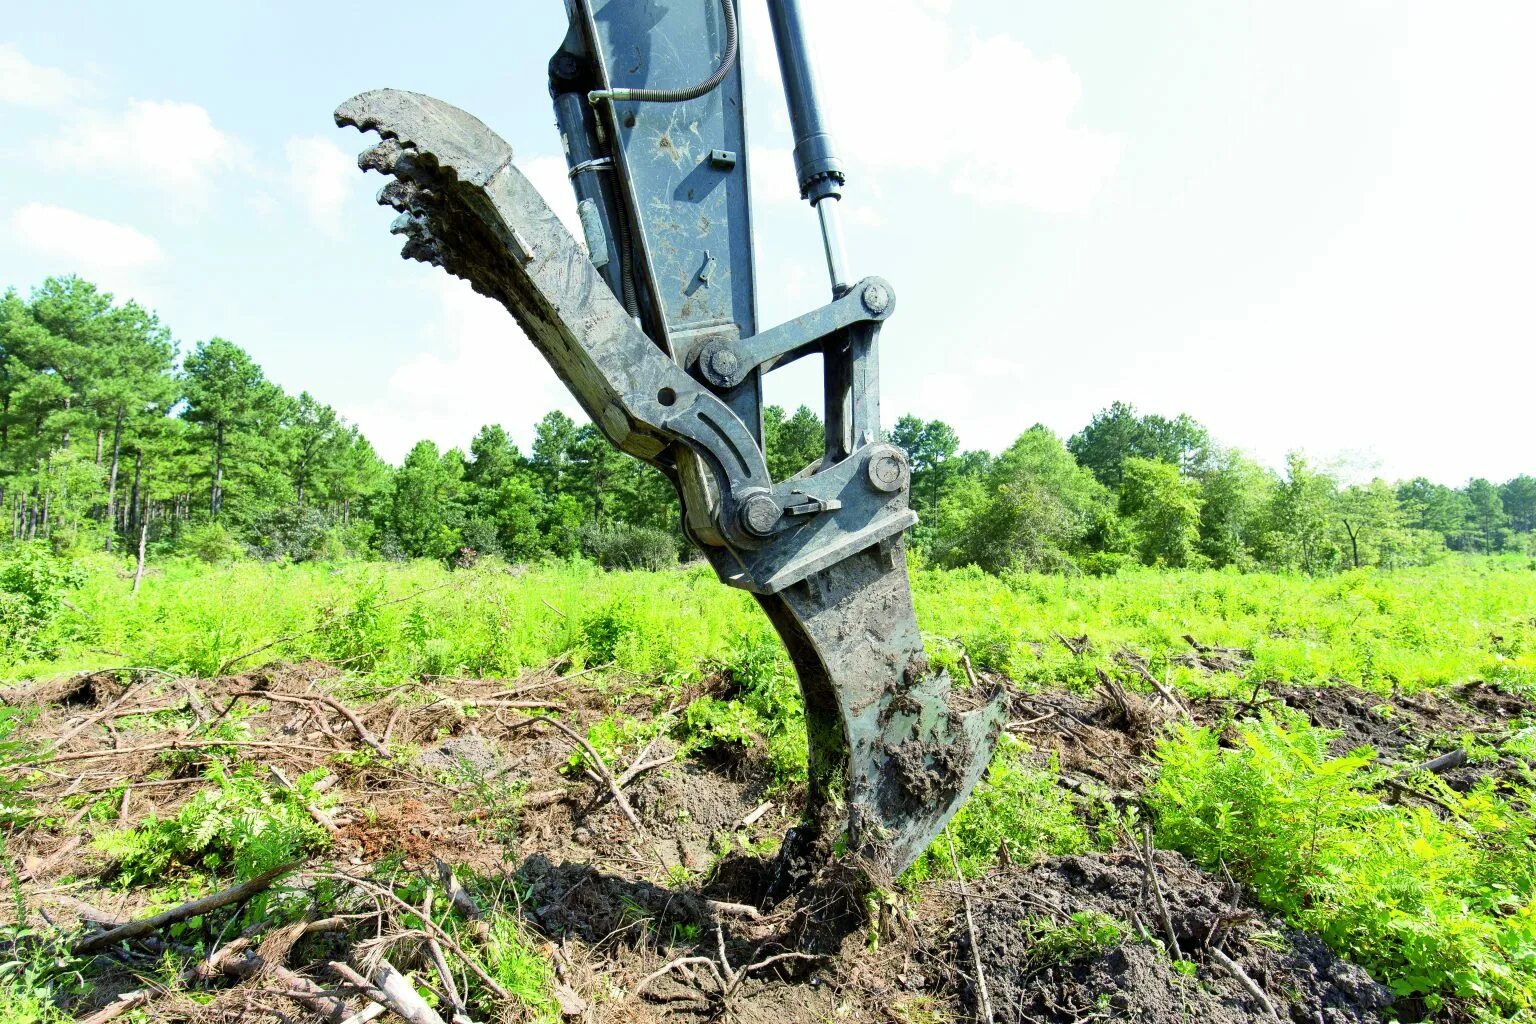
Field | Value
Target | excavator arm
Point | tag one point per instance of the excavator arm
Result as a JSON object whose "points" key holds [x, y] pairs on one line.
{"points": [[651, 321]]}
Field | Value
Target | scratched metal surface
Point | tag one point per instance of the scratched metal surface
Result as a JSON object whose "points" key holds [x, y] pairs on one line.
{"points": [[692, 212]]}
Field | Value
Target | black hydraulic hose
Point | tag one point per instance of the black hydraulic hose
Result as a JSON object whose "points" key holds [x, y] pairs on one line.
{"points": [[728, 7]]}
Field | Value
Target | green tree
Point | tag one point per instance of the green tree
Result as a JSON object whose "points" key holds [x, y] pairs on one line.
{"points": [[425, 513], [1237, 492], [1519, 497], [1301, 519], [1037, 510], [794, 443], [1371, 520], [1118, 433], [1162, 508], [930, 446], [228, 400], [1489, 519]]}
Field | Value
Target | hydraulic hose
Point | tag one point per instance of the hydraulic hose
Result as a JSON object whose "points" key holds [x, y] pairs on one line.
{"points": [[728, 7]]}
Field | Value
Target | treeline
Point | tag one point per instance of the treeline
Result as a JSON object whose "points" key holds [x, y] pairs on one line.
{"points": [[1147, 489], [107, 438]]}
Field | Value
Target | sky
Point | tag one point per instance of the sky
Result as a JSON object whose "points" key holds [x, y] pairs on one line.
{"points": [[1310, 224]]}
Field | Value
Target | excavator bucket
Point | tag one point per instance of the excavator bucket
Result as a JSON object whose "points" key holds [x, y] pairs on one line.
{"points": [[668, 366]]}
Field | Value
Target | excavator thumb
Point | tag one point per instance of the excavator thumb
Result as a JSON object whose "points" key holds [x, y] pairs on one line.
{"points": [[651, 324]]}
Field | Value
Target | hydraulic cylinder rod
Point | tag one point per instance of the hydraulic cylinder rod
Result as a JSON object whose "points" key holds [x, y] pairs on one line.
{"points": [[817, 167]]}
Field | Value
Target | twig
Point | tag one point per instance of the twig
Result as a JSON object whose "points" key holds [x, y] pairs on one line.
{"points": [[461, 899], [185, 744], [324, 820], [1024, 725], [602, 768], [447, 940], [435, 948], [1157, 891], [1235, 969], [106, 713], [235, 894], [310, 698], [970, 927], [545, 684]]}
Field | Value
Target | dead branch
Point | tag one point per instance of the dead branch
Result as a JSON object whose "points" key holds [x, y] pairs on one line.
{"points": [[1249, 985], [1134, 662], [186, 744], [310, 698], [970, 927], [756, 813], [435, 948], [389, 987], [1437, 765], [107, 712], [235, 894], [324, 820], [726, 978], [462, 900], [599, 765], [1157, 891], [384, 892], [235, 960]]}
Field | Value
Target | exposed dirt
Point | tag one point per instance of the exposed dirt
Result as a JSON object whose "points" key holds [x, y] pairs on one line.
{"points": [[1134, 980], [482, 785]]}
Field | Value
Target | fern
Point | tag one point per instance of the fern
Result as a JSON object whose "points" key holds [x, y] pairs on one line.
{"points": [[242, 824], [1436, 908]]}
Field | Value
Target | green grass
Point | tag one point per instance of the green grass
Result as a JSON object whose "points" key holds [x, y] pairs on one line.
{"points": [[1439, 907], [1463, 619]]}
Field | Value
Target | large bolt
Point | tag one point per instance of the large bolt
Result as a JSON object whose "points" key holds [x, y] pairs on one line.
{"points": [[724, 364], [877, 298], [888, 468], [760, 514]]}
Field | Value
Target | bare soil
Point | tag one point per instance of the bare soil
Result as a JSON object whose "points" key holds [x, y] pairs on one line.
{"points": [[486, 788]]}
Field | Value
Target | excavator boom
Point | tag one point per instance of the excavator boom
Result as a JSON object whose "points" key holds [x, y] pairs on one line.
{"points": [[651, 321]]}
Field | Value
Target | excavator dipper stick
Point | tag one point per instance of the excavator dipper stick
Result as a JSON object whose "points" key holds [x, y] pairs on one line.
{"points": [[651, 322]]}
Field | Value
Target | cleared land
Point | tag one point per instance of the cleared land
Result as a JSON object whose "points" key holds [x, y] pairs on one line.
{"points": [[377, 747]]}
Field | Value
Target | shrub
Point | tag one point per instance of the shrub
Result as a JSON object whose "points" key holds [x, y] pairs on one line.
{"points": [[212, 543], [33, 583], [629, 547]]}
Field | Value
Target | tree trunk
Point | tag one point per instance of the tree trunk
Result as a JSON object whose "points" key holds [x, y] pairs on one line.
{"points": [[98, 446], [117, 449], [133, 499], [217, 497], [138, 573]]}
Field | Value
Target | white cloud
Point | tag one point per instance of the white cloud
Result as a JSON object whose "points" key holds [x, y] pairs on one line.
{"points": [[475, 366], [87, 243], [24, 84], [321, 174], [982, 111], [161, 144]]}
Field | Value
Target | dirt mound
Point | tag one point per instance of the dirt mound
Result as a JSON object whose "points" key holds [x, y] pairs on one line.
{"points": [[1039, 968]]}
